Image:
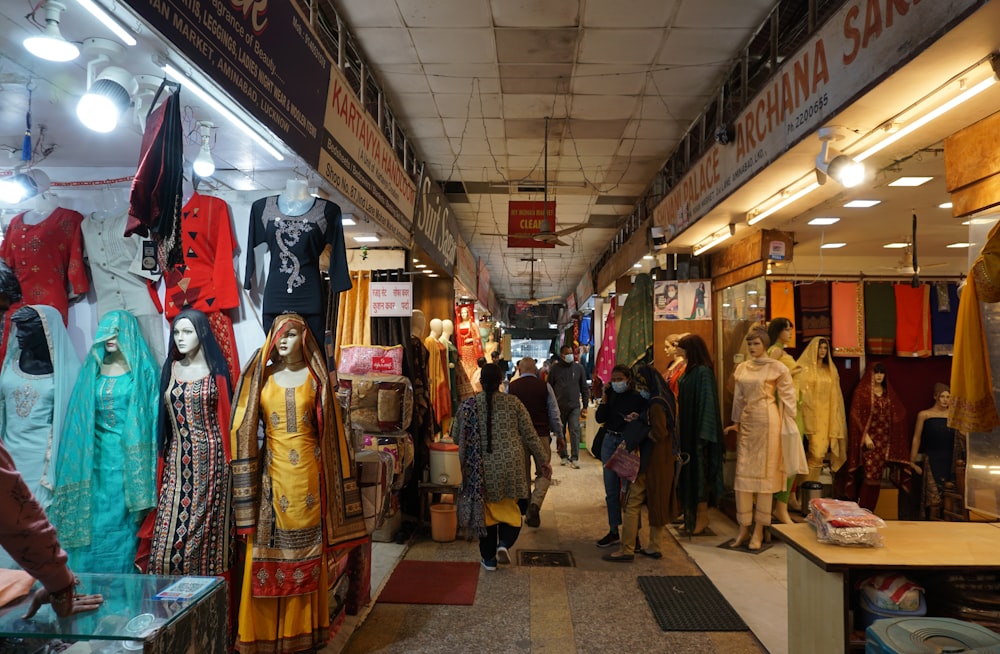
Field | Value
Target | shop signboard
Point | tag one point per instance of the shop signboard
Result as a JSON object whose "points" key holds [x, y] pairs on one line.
{"points": [[435, 226], [525, 217], [390, 299], [862, 43], [359, 161], [466, 268], [257, 52], [483, 290], [585, 288]]}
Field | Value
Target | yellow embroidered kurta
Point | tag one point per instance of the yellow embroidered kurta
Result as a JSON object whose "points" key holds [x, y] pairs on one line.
{"points": [[824, 420], [760, 466], [285, 597]]}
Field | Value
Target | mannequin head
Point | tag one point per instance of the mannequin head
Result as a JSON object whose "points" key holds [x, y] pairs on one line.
{"points": [[464, 314], [447, 329], [296, 189], [758, 342], [879, 375], [436, 328], [781, 331], [32, 341], [289, 343], [186, 339], [418, 323], [942, 395]]}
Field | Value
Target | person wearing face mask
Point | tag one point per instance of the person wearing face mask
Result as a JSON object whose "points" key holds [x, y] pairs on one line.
{"points": [[620, 405], [569, 381]]}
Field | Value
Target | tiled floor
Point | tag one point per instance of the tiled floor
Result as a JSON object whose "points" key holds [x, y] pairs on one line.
{"points": [[593, 607]]}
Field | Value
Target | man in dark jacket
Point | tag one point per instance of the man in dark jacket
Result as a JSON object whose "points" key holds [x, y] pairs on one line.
{"points": [[569, 381], [540, 400]]}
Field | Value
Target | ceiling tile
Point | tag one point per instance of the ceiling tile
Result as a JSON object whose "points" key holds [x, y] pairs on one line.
{"points": [[694, 80], [545, 79], [690, 46], [592, 147], [425, 129], [640, 13], [603, 106], [682, 109], [415, 105], [531, 147], [620, 46], [393, 45], [527, 46], [476, 128], [656, 129], [455, 105], [478, 162], [497, 147], [528, 165], [441, 46], [661, 148], [531, 106], [531, 13], [370, 13], [589, 163], [463, 78], [403, 78], [747, 14], [445, 13], [602, 79], [533, 127], [596, 129]]}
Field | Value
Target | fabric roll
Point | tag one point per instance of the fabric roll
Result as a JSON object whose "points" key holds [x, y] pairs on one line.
{"points": [[944, 316], [913, 320], [782, 301], [880, 318], [848, 303], [814, 307]]}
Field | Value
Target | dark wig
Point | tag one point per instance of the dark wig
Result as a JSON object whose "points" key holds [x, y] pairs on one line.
{"points": [[695, 351], [776, 326]]}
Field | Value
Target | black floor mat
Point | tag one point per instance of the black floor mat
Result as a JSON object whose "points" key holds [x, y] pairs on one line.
{"points": [[690, 603], [546, 558]]}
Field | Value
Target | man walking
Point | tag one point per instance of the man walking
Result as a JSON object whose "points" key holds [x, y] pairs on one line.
{"points": [[569, 381], [540, 400]]}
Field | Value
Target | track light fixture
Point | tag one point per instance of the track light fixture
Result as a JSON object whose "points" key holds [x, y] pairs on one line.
{"points": [[23, 186], [842, 168], [203, 164], [50, 44], [714, 239], [109, 94]]}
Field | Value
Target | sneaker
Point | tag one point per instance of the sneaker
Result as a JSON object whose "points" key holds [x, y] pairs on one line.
{"points": [[531, 517], [489, 564], [573, 464], [503, 555], [611, 539], [565, 461]]}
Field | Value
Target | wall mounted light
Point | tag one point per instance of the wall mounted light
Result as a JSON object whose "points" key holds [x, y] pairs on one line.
{"points": [[714, 239], [203, 164], [109, 93], [108, 21], [840, 167], [50, 44], [23, 186]]}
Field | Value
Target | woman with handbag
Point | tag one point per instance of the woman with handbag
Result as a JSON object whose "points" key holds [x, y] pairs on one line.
{"points": [[768, 445], [620, 406], [656, 482]]}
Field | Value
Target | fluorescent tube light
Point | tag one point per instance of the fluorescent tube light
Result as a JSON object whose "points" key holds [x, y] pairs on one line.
{"points": [[754, 218], [108, 21]]}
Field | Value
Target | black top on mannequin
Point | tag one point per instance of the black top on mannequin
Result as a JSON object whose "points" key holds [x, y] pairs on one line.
{"points": [[35, 357]]}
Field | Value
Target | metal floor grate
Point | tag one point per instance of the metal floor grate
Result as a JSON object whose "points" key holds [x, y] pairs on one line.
{"points": [[546, 558]]}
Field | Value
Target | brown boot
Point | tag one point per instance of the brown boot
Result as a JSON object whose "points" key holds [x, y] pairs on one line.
{"points": [[701, 520]]}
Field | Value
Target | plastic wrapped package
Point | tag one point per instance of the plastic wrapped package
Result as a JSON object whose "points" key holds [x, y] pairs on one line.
{"points": [[839, 522], [400, 447], [379, 403], [370, 359], [893, 592]]}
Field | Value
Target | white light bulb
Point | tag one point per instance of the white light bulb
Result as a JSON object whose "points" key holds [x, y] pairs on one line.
{"points": [[203, 165], [97, 112]]}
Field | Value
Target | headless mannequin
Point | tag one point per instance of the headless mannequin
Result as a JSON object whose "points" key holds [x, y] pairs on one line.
{"points": [[114, 363], [192, 365], [111, 205], [290, 371], [45, 204], [35, 357], [295, 199], [418, 323]]}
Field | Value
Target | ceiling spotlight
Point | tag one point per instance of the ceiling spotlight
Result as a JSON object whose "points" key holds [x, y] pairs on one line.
{"points": [[50, 44], [203, 165], [23, 186], [109, 94], [842, 168]]}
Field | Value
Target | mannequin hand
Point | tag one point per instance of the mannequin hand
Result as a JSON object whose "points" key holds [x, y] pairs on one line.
{"points": [[916, 467], [735, 428], [869, 443]]}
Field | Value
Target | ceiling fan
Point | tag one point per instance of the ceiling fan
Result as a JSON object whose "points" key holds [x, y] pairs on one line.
{"points": [[908, 264], [546, 234]]}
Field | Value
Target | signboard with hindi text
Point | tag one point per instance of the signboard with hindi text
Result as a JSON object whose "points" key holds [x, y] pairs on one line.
{"points": [[390, 299]]}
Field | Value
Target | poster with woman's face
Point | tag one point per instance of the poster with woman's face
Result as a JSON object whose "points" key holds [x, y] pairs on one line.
{"points": [[665, 301]]}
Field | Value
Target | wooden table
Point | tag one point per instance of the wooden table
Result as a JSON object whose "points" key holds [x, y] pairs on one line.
{"points": [[819, 574]]}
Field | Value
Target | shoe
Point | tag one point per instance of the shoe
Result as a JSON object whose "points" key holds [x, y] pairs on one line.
{"points": [[531, 517], [652, 555], [617, 557], [503, 554], [489, 564], [564, 462], [573, 464], [611, 539]]}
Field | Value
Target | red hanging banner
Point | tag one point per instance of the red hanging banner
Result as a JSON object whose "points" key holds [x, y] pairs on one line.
{"points": [[525, 217]]}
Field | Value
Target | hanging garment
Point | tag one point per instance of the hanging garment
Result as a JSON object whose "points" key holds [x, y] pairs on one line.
{"points": [[781, 295], [606, 356], [880, 318], [635, 343], [913, 320], [944, 316], [814, 306], [848, 302], [353, 321]]}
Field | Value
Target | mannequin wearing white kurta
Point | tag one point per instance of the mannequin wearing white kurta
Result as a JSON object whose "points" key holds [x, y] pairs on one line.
{"points": [[760, 384]]}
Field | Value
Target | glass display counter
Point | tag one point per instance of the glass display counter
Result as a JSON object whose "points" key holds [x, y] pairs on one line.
{"points": [[141, 613]]}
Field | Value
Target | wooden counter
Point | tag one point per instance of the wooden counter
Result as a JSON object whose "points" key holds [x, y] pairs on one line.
{"points": [[819, 585]]}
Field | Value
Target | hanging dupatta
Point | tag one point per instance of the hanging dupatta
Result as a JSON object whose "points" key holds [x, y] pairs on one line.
{"points": [[73, 492], [635, 344], [471, 506], [606, 355]]}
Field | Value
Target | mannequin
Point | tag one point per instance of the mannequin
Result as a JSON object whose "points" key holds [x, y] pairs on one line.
{"points": [[194, 447], [422, 425], [761, 425], [824, 421], [781, 331], [876, 434], [461, 385], [934, 442], [470, 347], [676, 363], [296, 228], [45, 204], [284, 603], [437, 375], [106, 475], [418, 324]]}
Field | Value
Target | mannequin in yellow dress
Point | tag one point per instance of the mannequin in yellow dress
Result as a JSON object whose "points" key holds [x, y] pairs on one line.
{"points": [[781, 331]]}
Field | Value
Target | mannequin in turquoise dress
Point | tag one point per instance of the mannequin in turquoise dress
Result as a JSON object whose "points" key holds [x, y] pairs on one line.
{"points": [[38, 372], [107, 464]]}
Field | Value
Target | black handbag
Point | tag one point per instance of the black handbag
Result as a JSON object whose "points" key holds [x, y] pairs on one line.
{"points": [[636, 431], [598, 442]]}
